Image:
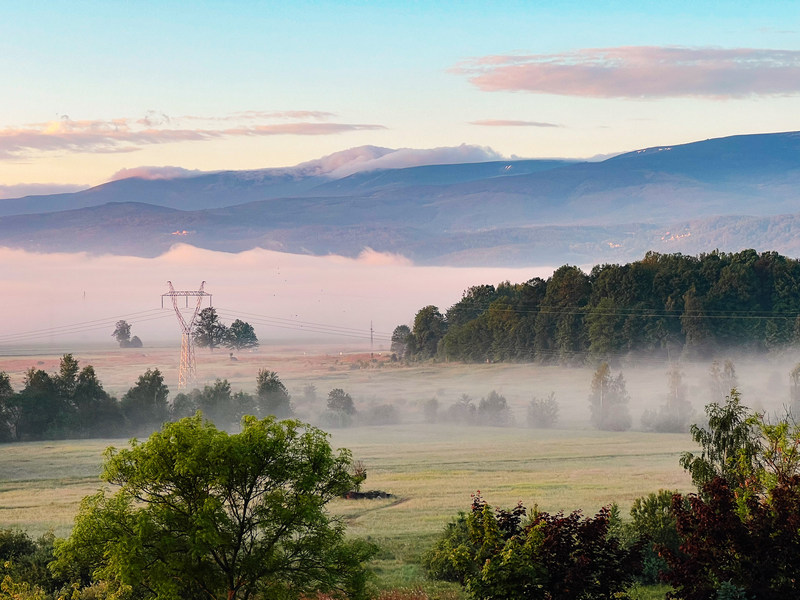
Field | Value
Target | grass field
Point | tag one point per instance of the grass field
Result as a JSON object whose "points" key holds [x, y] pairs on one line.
{"points": [[431, 471]]}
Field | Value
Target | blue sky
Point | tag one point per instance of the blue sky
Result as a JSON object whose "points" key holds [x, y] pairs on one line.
{"points": [[91, 88]]}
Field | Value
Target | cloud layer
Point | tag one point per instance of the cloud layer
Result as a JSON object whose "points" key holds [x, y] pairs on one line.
{"points": [[367, 158], [128, 135], [641, 72]]}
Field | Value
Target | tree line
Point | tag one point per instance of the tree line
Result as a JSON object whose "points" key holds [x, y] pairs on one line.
{"points": [[72, 403], [662, 305]]}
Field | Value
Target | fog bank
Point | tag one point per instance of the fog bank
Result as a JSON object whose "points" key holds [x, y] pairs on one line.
{"points": [[58, 298]]}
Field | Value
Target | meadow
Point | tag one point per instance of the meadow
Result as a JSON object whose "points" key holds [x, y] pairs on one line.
{"points": [[430, 468]]}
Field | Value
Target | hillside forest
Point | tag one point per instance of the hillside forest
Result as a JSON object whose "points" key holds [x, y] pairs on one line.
{"points": [[664, 305]]}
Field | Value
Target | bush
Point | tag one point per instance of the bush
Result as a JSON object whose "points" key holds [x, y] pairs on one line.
{"points": [[543, 412], [462, 411], [734, 551], [493, 410], [502, 555]]}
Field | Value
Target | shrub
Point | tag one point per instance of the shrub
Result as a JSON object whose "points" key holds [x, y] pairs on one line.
{"points": [[556, 557], [543, 412], [493, 410]]}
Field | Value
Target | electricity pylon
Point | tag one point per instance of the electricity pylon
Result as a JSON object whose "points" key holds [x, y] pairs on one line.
{"points": [[187, 374]]}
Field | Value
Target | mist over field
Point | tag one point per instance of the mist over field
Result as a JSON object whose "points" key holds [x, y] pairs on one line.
{"points": [[62, 298]]}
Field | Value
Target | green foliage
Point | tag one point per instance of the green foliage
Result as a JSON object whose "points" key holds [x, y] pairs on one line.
{"points": [[199, 512], [24, 565], [401, 338], [499, 554], [441, 561], [341, 401], [429, 328], [240, 336], [664, 304], [145, 404], [729, 445], [209, 332], [272, 397]]}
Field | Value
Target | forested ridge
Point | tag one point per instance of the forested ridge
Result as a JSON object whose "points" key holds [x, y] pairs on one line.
{"points": [[663, 304]]}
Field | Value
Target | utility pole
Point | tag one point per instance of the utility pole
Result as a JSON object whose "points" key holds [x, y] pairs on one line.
{"points": [[187, 373], [371, 353]]}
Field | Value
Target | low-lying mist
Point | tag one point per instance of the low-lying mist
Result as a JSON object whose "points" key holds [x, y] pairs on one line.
{"points": [[56, 299]]}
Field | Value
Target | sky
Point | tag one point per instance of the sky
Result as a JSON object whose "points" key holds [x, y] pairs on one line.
{"points": [[92, 88]]}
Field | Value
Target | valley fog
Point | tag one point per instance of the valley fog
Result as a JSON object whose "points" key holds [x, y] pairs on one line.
{"points": [[58, 300]]}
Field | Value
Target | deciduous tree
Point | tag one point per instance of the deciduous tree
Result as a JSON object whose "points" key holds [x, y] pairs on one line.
{"points": [[209, 332], [199, 513], [240, 336]]}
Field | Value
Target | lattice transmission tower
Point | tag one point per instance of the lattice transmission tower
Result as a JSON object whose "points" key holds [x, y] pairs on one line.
{"points": [[187, 374]]}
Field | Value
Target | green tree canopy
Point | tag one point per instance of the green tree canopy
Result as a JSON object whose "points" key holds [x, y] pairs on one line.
{"points": [[240, 336], [429, 327], [209, 332], [145, 404], [272, 396], [200, 513], [122, 333]]}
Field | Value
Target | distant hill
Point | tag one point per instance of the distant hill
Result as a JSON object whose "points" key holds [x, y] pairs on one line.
{"points": [[727, 193]]}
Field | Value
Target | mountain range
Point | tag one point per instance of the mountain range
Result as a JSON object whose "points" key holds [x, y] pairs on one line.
{"points": [[727, 194]]}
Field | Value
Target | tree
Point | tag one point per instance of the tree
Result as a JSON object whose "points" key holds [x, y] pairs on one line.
{"points": [[609, 401], [341, 401], [494, 410], [41, 412], [122, 333], [400, 340], [145, 404], [543, 412], [429, 327], [215, 401], [209, 332], [8, 409], [730, 445], [200, 513], [272, 396], [676, 413], [240, 336], [96, 412]]}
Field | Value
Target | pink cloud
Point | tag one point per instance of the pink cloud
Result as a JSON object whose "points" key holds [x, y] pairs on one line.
{"points": [[507, 123], [641, 72], [153, 173], [128, 135]]}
